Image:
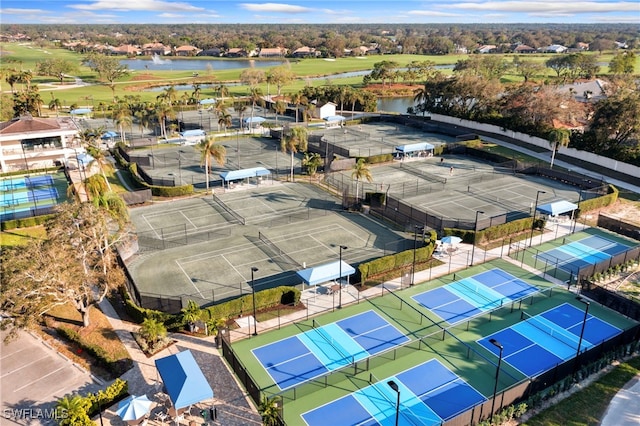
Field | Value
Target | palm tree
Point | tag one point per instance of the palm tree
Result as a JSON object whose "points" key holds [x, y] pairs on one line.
{"points": [[360, 171], [73, 411], [311, 161], [240, 107], [224, 120], [55, 104], [255, 96], [122, 118], [170, 95], [196, 92], [152, 331], [268, 409], [209, 150], [295, 141], [281, 108], [100, 159], [558, 138], [191, 313], [162, 113], [297, 99]]}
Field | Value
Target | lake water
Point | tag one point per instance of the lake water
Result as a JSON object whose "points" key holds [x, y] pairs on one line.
{"points": [[163, 64], [399, 105]]}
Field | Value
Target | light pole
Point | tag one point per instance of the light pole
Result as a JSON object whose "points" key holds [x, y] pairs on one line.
{"points": [[584, 322], [475, 231], [497, 344], [393, 385], [533, 223], [575, 214], [340, 277], [180, 166], [253, 294], [238, 147], [413, 268]]}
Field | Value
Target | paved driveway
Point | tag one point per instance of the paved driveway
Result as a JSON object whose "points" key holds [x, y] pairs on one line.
{"points": [[33, 377]]}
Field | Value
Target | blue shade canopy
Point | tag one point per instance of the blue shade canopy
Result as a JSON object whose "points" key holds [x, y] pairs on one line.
{"points": [[325, 273], [334, 118], [80, 111], [451, 239], [134, 407], [412, 147], [557, 207], [84, 159], [183, 379], [244, 173], [109, 135], [254, 120], [207, 101]]}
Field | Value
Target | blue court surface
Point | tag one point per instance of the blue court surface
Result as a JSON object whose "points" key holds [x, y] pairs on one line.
{"points": [[469, 297], [576, 255], [322, 349], [430, 394], [540, 342]]}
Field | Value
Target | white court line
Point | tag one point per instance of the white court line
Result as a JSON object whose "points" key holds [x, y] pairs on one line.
{"points": [[152, 228], [24, 366], [189, 278], [233, 266], [188, 220]]}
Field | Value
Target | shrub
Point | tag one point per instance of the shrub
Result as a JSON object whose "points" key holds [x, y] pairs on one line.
{"points": [[101, 356]]}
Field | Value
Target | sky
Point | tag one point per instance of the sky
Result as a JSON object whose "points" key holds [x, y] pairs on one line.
{"points": [[317, 11]]}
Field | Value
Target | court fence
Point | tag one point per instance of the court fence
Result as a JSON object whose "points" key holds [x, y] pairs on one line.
{"points": [[619, 226]]}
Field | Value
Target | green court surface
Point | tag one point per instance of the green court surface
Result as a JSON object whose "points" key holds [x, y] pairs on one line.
{"points": [[547, 256], [430, 337], [197, 249]]}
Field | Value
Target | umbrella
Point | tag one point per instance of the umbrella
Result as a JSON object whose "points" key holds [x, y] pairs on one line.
{"points": [[134, 408], [109, 135], [451, 239], [80, 111]]}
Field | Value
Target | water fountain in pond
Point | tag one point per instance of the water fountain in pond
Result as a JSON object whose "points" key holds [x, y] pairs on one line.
{"points": [[157, 60]]}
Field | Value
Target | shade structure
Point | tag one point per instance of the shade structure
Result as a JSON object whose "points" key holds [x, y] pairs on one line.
{"points": [[557, 207], [207, 101], [244, 173], [84, 159], [413, 147], [80, 111], [325, 273], [183, 379], [332, 118], [109, 135], [254, 120], [451, 239], [134, 407]]}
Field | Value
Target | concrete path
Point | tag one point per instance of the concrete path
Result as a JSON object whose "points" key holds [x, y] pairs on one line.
{"points": [[624, 409]]}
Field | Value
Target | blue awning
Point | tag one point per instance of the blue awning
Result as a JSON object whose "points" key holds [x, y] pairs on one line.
{"points": [[109, 135], [208, 101], [557, 207], [334, 118], [84, 158], [183, 379], [244, 173], [325, 273], [412, 147], [254, 120]]}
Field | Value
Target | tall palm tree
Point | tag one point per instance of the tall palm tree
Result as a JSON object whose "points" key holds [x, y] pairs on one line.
{"points": [[296, 140], [197, 91], [170, 95], [224, 120], [210, 150], [100, 159], [240, 106], [361, 171], [162, 113], [558, 138], [281, 108], [255, 96], [122, 118], [297, 99]]}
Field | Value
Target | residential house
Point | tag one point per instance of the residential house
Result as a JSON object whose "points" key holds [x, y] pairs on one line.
{"points": [[487, 48], [523, 48], [214, 51], [150, 49], [237, 52], [126, 49], [582, 46], [28, 143], [554, 48], [305, 52], [186, 50], [272, 52]]}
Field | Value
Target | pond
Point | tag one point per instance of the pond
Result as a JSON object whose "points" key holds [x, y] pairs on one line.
{"points": [[164, 64]]}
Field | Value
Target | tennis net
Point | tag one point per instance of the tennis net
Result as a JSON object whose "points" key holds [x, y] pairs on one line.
{"points": [[277, 252], [228, 209], [421, 173], [317, 327], [554, 330], [476, 290]]}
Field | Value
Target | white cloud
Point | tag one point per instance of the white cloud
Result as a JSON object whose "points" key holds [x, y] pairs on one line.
{"points": [[431, 13], [14, 11], [275, 7], [545, 7], [137, 5]]}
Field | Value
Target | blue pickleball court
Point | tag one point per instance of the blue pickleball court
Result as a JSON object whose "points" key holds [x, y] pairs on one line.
{"points": [[472, 296], [541, 342], [326, 348], [430, 394], [576, 255]]}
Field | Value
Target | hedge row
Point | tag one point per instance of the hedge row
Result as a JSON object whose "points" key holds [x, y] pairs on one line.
{"points": [[103, 358], [30, 171], [264, 299], [397, 261], [494, 233], [26, 222], [380, 158], [158, 191], [599, 202]]}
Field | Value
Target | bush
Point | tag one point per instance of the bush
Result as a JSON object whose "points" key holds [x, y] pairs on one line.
{"points": [[100, 355], [26, 222]]}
